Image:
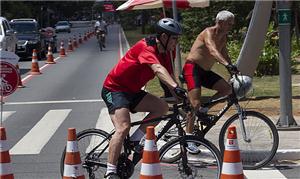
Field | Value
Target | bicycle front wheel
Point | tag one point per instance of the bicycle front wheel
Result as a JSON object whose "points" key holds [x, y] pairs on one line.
{"points": [[261, 142], [206, 164], [94, 166]]}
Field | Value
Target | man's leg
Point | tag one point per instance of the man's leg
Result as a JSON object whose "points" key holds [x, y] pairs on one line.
{"points": [[121, 121], [222, 88], [194, 97], [155, 106]]}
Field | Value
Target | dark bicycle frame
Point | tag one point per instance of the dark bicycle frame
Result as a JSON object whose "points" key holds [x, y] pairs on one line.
{"points": [[172, 120]]}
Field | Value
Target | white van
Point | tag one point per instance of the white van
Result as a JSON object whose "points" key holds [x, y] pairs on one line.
{"points": [[8, 39]]}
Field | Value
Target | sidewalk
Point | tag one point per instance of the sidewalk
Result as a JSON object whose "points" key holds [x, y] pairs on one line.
{"points": [[289, 141]]}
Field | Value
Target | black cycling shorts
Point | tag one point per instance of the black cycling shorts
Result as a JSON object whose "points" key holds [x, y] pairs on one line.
{"points": [[195, 76], [117, 100]]}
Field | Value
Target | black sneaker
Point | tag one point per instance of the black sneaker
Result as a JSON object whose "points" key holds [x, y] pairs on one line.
{"points": [[111, 176]]}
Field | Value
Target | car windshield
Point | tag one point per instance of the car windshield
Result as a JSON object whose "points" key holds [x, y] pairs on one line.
{"points": [[62, 23], [26, 28]]}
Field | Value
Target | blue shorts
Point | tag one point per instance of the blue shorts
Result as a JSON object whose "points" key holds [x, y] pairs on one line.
{"points": [[117, 100]]}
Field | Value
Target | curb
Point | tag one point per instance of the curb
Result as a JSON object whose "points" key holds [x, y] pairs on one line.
{"points": [[287, 154]]}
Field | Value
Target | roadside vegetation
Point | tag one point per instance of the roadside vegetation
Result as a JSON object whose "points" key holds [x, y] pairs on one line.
{"points": [[266, 85]]}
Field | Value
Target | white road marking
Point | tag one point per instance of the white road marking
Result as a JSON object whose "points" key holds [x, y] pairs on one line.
{"points": [[103, 123], [55, 102], [263, 174], [45, 65], [40, 134], [6, 114]]}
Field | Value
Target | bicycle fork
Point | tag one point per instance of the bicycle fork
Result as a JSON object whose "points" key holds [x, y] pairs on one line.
{"points": [[242, 118]]}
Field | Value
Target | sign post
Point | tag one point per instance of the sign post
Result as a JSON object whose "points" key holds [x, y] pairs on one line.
{"points": [[9, 78], [286, 120]]}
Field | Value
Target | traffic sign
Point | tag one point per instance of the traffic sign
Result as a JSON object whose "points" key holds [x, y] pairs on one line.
{"points": [[9, 77], [284, 16]]}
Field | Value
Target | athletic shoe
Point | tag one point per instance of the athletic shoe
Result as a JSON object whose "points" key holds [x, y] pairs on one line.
{"points": [[192, 148], [111, 176]]}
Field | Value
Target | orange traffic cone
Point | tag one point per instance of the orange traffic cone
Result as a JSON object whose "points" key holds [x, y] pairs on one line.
{"points": [[72, 164], [5, 165], [80, 39], [70, 46], [35, 69], [150, 168], [62, 52], [75, 42], [20, 84], [232, 167], [50, 59]]}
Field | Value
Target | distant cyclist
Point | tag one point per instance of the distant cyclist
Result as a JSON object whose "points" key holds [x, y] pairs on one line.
{"points": [[101, 28], [100, 24], [122, 88]]}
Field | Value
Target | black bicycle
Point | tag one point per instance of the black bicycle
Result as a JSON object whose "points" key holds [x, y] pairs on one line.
{"points": [[100, 34], [93, 147], [257, 135]]}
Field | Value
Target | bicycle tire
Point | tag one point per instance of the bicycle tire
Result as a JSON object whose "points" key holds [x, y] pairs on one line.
{"points": [[206, 164], [100, 44], [257, 148], [80, 136]]}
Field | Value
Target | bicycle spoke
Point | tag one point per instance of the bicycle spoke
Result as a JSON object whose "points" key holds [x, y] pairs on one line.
{"points": [[206, 164]]}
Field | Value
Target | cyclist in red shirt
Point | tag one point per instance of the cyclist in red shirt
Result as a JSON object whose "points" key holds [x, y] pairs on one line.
{"points": [[122, 89]]}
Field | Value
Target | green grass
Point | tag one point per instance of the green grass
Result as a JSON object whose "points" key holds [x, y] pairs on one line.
{"points": [[266, 86]]}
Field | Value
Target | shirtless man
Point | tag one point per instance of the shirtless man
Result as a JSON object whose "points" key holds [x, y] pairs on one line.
{"points": [[208, 48]]}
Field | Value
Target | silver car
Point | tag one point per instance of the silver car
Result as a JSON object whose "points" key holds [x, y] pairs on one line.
{"points": [[8, 39], [62, 26]]}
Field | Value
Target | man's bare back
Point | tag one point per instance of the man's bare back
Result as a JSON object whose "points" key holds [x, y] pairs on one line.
{"points": [[201, 50]]}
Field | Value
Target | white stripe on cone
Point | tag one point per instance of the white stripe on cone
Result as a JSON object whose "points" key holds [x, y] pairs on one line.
{"points": [[150, 145], [232, 168], [72, 146], [150, 169], [3, 146], [73, 170], [34, 60], [5, 169], [232, 145]]}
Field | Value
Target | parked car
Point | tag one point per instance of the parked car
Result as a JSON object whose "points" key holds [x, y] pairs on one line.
{"points": [[50, 38], [8, 39], [29, 38], [62, 26]]}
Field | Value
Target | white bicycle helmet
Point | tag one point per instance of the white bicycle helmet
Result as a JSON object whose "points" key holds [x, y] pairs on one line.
{"points": [[242, 84]]}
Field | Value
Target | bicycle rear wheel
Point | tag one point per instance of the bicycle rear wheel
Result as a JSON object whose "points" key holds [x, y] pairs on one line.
{"points": [[87, 141], [263, 141], [206, 164]]}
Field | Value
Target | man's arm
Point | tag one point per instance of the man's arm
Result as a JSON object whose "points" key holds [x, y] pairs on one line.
{"points": [[211, 46], [162, 73], [225, 54]]}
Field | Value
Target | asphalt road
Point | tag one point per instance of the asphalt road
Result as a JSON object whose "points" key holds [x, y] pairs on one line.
{"points": [[67, 94]]}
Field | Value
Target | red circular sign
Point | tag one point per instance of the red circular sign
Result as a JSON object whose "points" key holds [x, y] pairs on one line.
{"points": [[9, 77]]}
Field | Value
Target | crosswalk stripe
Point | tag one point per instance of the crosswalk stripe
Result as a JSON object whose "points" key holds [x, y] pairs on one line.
{"points": [[6, 114], [262, 174], [103, 123], [40, 134]]}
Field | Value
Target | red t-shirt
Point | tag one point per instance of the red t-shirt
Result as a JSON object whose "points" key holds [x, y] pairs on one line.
{"points": [[132, 72]]}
